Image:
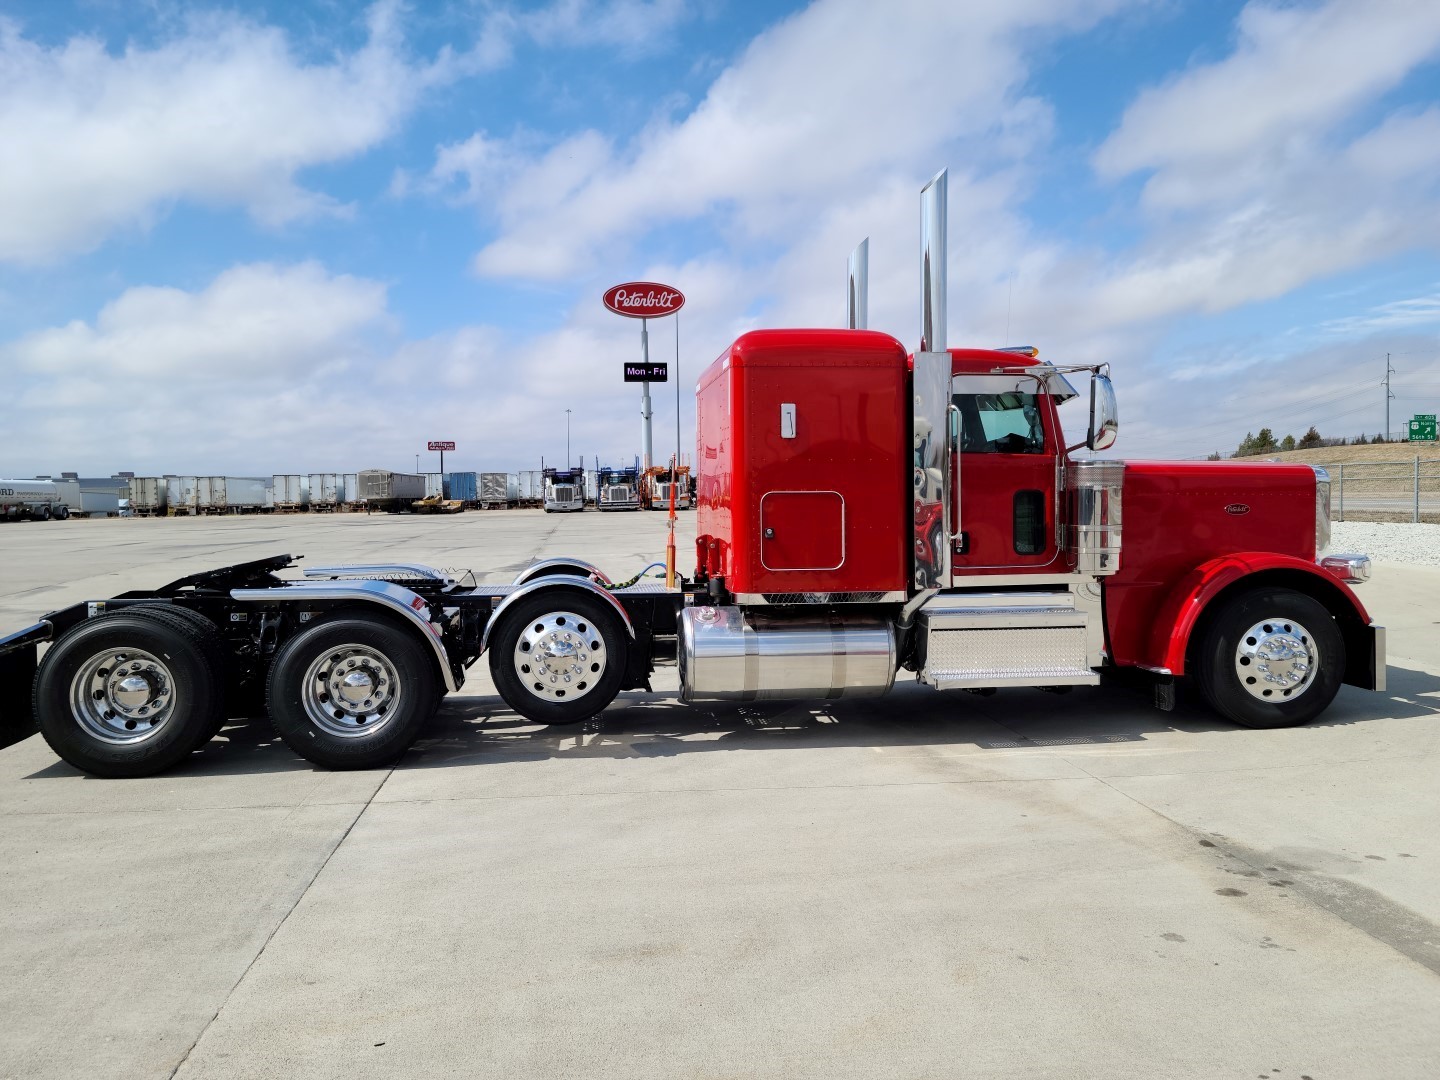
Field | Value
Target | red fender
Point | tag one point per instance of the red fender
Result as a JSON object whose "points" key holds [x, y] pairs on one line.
{"points": [[1177, 617]]}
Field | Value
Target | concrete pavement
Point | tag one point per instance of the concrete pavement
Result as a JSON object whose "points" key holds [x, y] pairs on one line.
{"points": [[920, 885]]}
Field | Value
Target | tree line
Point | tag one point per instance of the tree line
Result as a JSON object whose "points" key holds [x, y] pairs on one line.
{"points": [[1264, 443]]}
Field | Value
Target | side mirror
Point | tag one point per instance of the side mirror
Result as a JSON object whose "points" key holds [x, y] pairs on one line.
{"points": [[1104, 414]]}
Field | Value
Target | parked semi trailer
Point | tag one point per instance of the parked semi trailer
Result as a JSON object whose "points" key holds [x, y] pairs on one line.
{"points": [[381, 489], [863, 514], [327, 491], [463, 487], [37, 500], [498, 491]]}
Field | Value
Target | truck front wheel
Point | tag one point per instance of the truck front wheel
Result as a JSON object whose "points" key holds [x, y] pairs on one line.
{"points": [[1271, 658], [559, 656], [351, 692]]}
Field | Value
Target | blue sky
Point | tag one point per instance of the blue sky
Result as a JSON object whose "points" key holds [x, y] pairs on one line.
{"points": [[277, 237]]}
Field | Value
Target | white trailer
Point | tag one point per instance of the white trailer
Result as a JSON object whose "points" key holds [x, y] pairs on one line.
{"points": [[147, 495], [182, 494], [38, 500], [229, 494], [326, 490], [291, 491]]}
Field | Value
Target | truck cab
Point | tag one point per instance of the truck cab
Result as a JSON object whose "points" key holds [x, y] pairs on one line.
{"points": [[618, 488], [564, 490]]}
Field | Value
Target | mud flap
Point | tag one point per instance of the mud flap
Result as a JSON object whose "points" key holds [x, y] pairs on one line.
{"points": [[17, 675]]}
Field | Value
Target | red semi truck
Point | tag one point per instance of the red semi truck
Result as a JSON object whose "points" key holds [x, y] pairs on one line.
{"points": [[863, 512]]}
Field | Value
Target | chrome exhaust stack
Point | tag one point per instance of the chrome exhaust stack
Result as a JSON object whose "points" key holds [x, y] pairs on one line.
{"points": [[934, 226], [857, 301], [930, 547]]}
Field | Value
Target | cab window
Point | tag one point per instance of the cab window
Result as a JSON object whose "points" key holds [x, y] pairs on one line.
{"points": [[1004, 423]]}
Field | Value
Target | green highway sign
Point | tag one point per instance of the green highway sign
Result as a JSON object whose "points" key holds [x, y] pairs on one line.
{"points": [[1422, 428]]}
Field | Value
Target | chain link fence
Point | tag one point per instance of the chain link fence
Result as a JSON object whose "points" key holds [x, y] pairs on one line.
{"points": [[1401, 490]]}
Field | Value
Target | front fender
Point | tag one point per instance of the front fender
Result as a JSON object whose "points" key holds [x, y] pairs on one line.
{"points": [[1177, 618], [557, 581]]}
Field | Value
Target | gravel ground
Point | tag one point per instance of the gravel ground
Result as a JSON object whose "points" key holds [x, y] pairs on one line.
{"points": [[1394, 542]]}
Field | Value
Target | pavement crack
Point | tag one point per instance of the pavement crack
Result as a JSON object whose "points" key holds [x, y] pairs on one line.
{"points": [[185, 1057], [1360, 907]]}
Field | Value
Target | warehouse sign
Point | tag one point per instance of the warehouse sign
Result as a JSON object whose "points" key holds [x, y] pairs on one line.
{"points": [[1422, 428], [647, 372], [444, 444], [643, 300]]}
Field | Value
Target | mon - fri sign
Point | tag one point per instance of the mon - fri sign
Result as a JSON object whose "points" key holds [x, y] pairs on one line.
{"points": [[441, 444], [647, 372]]}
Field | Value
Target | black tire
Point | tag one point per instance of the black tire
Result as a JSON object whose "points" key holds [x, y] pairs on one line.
{"points": [[1291, 632], [171, 656], [43, 514], [62, 513], [369, 732], [208, 638], [552, 610]]}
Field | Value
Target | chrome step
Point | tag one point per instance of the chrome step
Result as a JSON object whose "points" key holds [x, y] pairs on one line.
{"points": [[977, 640]]}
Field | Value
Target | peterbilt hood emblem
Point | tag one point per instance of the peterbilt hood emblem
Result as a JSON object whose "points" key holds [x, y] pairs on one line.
{"points": [[1237, 509]]}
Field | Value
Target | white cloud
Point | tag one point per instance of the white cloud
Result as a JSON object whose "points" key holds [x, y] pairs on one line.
{"points": [[1396, 315], [635, 25], [252, 322], [794, 122], [1219, 130], [223, 114]]}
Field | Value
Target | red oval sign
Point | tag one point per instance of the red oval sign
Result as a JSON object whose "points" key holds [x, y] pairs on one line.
{"points": [[1237, 509], [644, 300]]}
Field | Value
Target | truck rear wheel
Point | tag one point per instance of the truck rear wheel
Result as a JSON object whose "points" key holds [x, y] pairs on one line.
{"points": [[352, 692], [127, 695], [559, 656], [207, 637], [1271, 658]]}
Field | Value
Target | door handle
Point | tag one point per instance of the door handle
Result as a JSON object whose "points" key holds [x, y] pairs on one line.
{"points": [[952, 449]]}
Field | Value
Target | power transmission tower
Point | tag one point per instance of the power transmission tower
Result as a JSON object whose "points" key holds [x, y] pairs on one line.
{"points": [[1389, 395]]}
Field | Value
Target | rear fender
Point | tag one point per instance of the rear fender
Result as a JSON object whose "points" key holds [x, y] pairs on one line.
{"points": [[397, 600], [1181, 619]]}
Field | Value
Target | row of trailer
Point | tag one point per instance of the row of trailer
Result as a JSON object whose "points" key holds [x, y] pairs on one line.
{"points": [[329, 492]]}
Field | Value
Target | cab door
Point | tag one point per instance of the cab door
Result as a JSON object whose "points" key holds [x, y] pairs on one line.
{"points": [[1004, 476]]}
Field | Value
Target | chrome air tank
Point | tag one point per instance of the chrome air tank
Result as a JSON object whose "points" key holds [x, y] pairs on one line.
{"points": [[745, 654]]}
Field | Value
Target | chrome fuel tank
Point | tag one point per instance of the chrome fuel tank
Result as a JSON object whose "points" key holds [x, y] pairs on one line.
{"points": [[730, 653]]}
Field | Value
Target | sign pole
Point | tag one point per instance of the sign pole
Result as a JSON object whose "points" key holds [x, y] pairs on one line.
{"points": [[645, 393], [677, 389]]}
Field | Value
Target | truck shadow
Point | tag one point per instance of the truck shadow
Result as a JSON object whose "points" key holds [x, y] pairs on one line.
{"points": [[479, 729], [657, 725]]}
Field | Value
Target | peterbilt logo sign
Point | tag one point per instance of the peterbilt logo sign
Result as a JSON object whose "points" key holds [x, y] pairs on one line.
{"points": [[643, 300], [1237, 509]]}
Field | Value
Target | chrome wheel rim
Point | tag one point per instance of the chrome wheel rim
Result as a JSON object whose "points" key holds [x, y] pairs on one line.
{"points": [[1276, 660], [351, 691], [123, 696], [560, 656]]}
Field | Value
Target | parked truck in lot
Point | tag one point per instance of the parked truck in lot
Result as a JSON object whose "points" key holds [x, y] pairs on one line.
{"points": [[661, 483], [564, 490], [863, 514], [37, 500], [617, 488]]}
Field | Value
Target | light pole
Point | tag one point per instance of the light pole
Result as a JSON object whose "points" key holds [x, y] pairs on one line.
{"points": [[417, 463], [567, 438]]}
